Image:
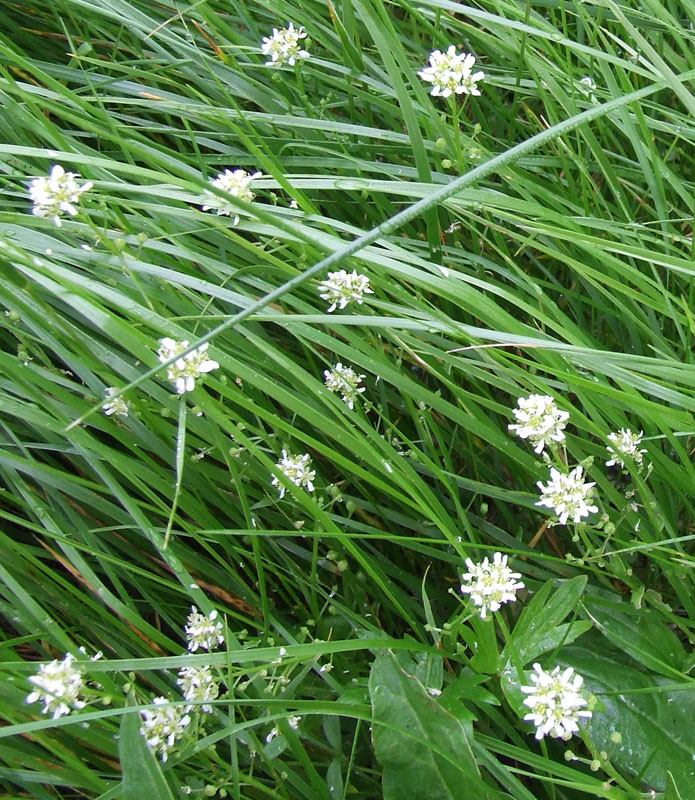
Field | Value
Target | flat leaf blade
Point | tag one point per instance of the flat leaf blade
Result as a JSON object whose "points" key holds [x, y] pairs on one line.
{"points": [[142, 776], [424, 750]]}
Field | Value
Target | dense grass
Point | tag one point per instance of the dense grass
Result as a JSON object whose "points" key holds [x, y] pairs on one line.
{"points": [[550, 251]]}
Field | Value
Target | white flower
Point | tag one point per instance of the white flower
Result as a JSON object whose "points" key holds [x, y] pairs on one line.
{"points": [[284, 46], [490, 584], [293, 722], [568, 495], [235, 182], [162, 726], [589, 82], [346, 381], [57, 194], [117, 406], [59, 686], [342, 287], [625, 443], [555, 701], [202, 631], [184, 371], [297, 469], [452, 73], [539, 420], [198, 684]]}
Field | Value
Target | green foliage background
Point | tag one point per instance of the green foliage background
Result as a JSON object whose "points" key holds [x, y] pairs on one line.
{"points": [[562, 263]]}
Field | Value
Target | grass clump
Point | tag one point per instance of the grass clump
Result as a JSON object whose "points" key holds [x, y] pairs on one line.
{"points": [[347, 400]]}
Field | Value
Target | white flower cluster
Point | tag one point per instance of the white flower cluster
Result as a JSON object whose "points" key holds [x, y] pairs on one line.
{"points": [[185, 370], [342, 287], [568, 495], [539, 420], [491, 584], [297, 469], [163, 726], [202, 631], [284, 46], [555, 702], [117, 405], [345, 381], [57, 194], [235, 182], [624, 444], [452, 73], [59, 686], [198, 684]]}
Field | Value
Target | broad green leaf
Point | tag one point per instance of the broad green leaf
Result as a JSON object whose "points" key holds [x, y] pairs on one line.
{"points": [[672, 791], [656, 722], [142, 775], [642, 635], [423, 749], [538, 629]]}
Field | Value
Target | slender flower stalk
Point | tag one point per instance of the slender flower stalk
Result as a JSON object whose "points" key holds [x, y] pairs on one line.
{"points": [[342, 287], [568, 495], [490, 585], [539, 420], [57, 194], [284, 46], [235, 182], [555, 701], [297, 469], [452, 73], [59, 686], [185, 370]]}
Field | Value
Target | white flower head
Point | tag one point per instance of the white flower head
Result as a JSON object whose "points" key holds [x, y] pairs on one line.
{"points": [[568, 495], [452, 73], [540, 420], [118, 405], [624, 444], [345, 381], [555, 702], [58, 686], [588, 82], [198, 684], [297, 469], [235, 182], [57, 194], [491, 584], [185, 370], [342, 287], [203, 632], [163, 725], [284, 46]]}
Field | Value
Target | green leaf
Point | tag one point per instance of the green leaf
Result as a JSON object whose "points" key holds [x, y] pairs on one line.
{"points": [[655, 721], [142, 775], [538, 629], [642, 635], [424, 750]]}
